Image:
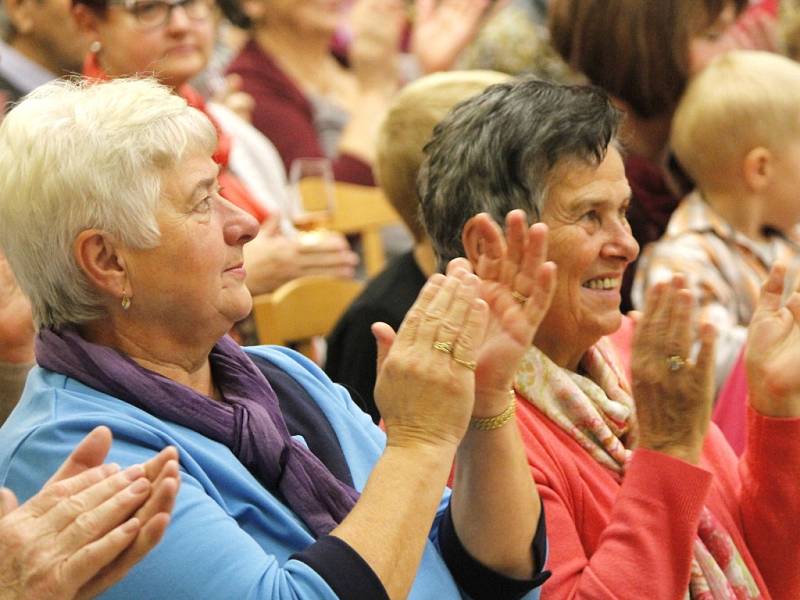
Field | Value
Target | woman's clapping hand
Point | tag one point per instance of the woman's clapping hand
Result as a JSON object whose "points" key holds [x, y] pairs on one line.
{"points": [[674, 394], [518, 285], [88, 525], [772, 353], [426, 394]]}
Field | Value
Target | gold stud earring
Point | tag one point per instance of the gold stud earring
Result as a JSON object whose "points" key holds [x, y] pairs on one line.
{"points": [[126, 301], [95, 47]]}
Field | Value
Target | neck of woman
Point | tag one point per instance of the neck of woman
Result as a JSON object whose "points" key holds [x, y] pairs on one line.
{"points": [[161, 354], [566, 356], [425, 257], [304, 57]]}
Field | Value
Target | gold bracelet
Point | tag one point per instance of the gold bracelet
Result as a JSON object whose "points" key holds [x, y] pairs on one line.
{"points": [[497, 421]]}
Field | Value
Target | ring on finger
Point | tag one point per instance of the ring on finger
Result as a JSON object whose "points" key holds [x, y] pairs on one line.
{"points": [[446, 347], [470, 364], [675, 362], [522, 299]]}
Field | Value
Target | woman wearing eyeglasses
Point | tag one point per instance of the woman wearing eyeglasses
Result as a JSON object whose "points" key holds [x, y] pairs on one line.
{"points": [[172, 40]]}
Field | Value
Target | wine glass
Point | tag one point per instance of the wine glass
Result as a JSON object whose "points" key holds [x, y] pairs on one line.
{"points": [[311, 190]]}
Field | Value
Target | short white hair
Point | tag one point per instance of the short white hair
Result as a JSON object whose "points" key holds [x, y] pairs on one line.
{"points": [[78, 155]]}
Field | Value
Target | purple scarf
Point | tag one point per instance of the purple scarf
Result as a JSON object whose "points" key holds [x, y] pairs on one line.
{"points": [[249, 421]]}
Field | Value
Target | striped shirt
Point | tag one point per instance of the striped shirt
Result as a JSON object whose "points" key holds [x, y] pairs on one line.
{"points": [[724, 269]]}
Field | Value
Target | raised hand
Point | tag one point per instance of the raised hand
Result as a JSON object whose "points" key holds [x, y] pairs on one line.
{"points": [[77, 536], [518, 285], [674, 394], [425, 388], [772, 352], [443, 28]]}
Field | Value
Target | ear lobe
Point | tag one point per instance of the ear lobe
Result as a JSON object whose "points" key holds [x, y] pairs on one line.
{"points": [[757, 168], [98, 257]]}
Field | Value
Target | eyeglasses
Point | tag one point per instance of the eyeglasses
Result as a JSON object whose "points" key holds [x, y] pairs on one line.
{"points": [[157, 13]]}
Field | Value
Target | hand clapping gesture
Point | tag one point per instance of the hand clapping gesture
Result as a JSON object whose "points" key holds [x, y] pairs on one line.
{"points": [[443, 28], [518, 285], [88, 525], [674, 394], [772, 353], [425, 386]]}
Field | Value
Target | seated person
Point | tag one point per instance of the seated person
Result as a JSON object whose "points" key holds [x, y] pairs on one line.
{"points": [[136, 38], [135, 273], [88, 526], [643, 497], [736, 132], [404, 131]]}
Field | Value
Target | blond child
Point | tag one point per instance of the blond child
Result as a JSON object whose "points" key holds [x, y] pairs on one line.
{"points": [[736, 132]]}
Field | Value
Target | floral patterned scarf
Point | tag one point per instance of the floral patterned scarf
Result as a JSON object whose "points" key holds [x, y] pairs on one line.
{"points": [[596, 409]]}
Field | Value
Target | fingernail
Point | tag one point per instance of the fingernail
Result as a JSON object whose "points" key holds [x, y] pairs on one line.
{"points": [[139, 486], [134, 472], [131, 526], [110, 469]]}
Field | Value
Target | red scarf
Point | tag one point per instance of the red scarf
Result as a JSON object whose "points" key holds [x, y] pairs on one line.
{"points": [[233, 189]]}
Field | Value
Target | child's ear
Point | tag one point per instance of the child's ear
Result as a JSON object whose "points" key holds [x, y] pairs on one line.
{"points": [[758, 168]]}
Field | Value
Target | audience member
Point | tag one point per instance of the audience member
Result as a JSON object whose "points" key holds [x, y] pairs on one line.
{"points": [[134, 272], [643, 53], [39, 42], [736, 132], [88, 525], [309, 103], [403, 133], [643, 497], [173, 42]]}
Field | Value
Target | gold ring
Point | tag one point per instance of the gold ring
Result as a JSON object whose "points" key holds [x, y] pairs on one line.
{"points": [[470, 364], [675, 362], [519, 297], [446, 347]]}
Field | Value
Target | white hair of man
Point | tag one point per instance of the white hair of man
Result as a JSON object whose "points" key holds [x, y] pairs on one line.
{"points": [[79, 155]]}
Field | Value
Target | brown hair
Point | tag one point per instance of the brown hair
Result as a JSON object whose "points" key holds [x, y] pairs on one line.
{"points": [[638, 50]]}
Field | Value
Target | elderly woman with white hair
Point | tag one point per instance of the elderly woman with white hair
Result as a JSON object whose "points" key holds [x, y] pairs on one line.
{"points": [[643, 496], [112, 220]]}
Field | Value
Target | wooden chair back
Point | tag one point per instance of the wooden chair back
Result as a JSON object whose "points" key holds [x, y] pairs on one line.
{"points": [[302, 309], [358, 209]]}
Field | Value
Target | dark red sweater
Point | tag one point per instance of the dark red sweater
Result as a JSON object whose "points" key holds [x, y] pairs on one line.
{"points": [[284, 114]]}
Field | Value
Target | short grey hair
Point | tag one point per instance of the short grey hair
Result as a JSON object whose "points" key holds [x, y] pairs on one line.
{"points": [[78, 155], [496, 152]]}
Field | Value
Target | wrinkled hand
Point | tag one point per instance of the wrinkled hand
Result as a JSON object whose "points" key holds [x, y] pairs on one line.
{"points": [[424, 395], [271, 259], [506, 264], [77, 536], [377, 26], [673, 407], [443, 28], [772, 352], [16, 321]]}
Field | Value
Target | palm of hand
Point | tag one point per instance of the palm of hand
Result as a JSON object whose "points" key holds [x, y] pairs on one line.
{"points": [[773, 351], [441, 33]]}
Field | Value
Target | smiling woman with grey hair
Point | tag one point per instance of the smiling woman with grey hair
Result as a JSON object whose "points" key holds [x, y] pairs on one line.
{"points": [[642, 495], [112, 219]]}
